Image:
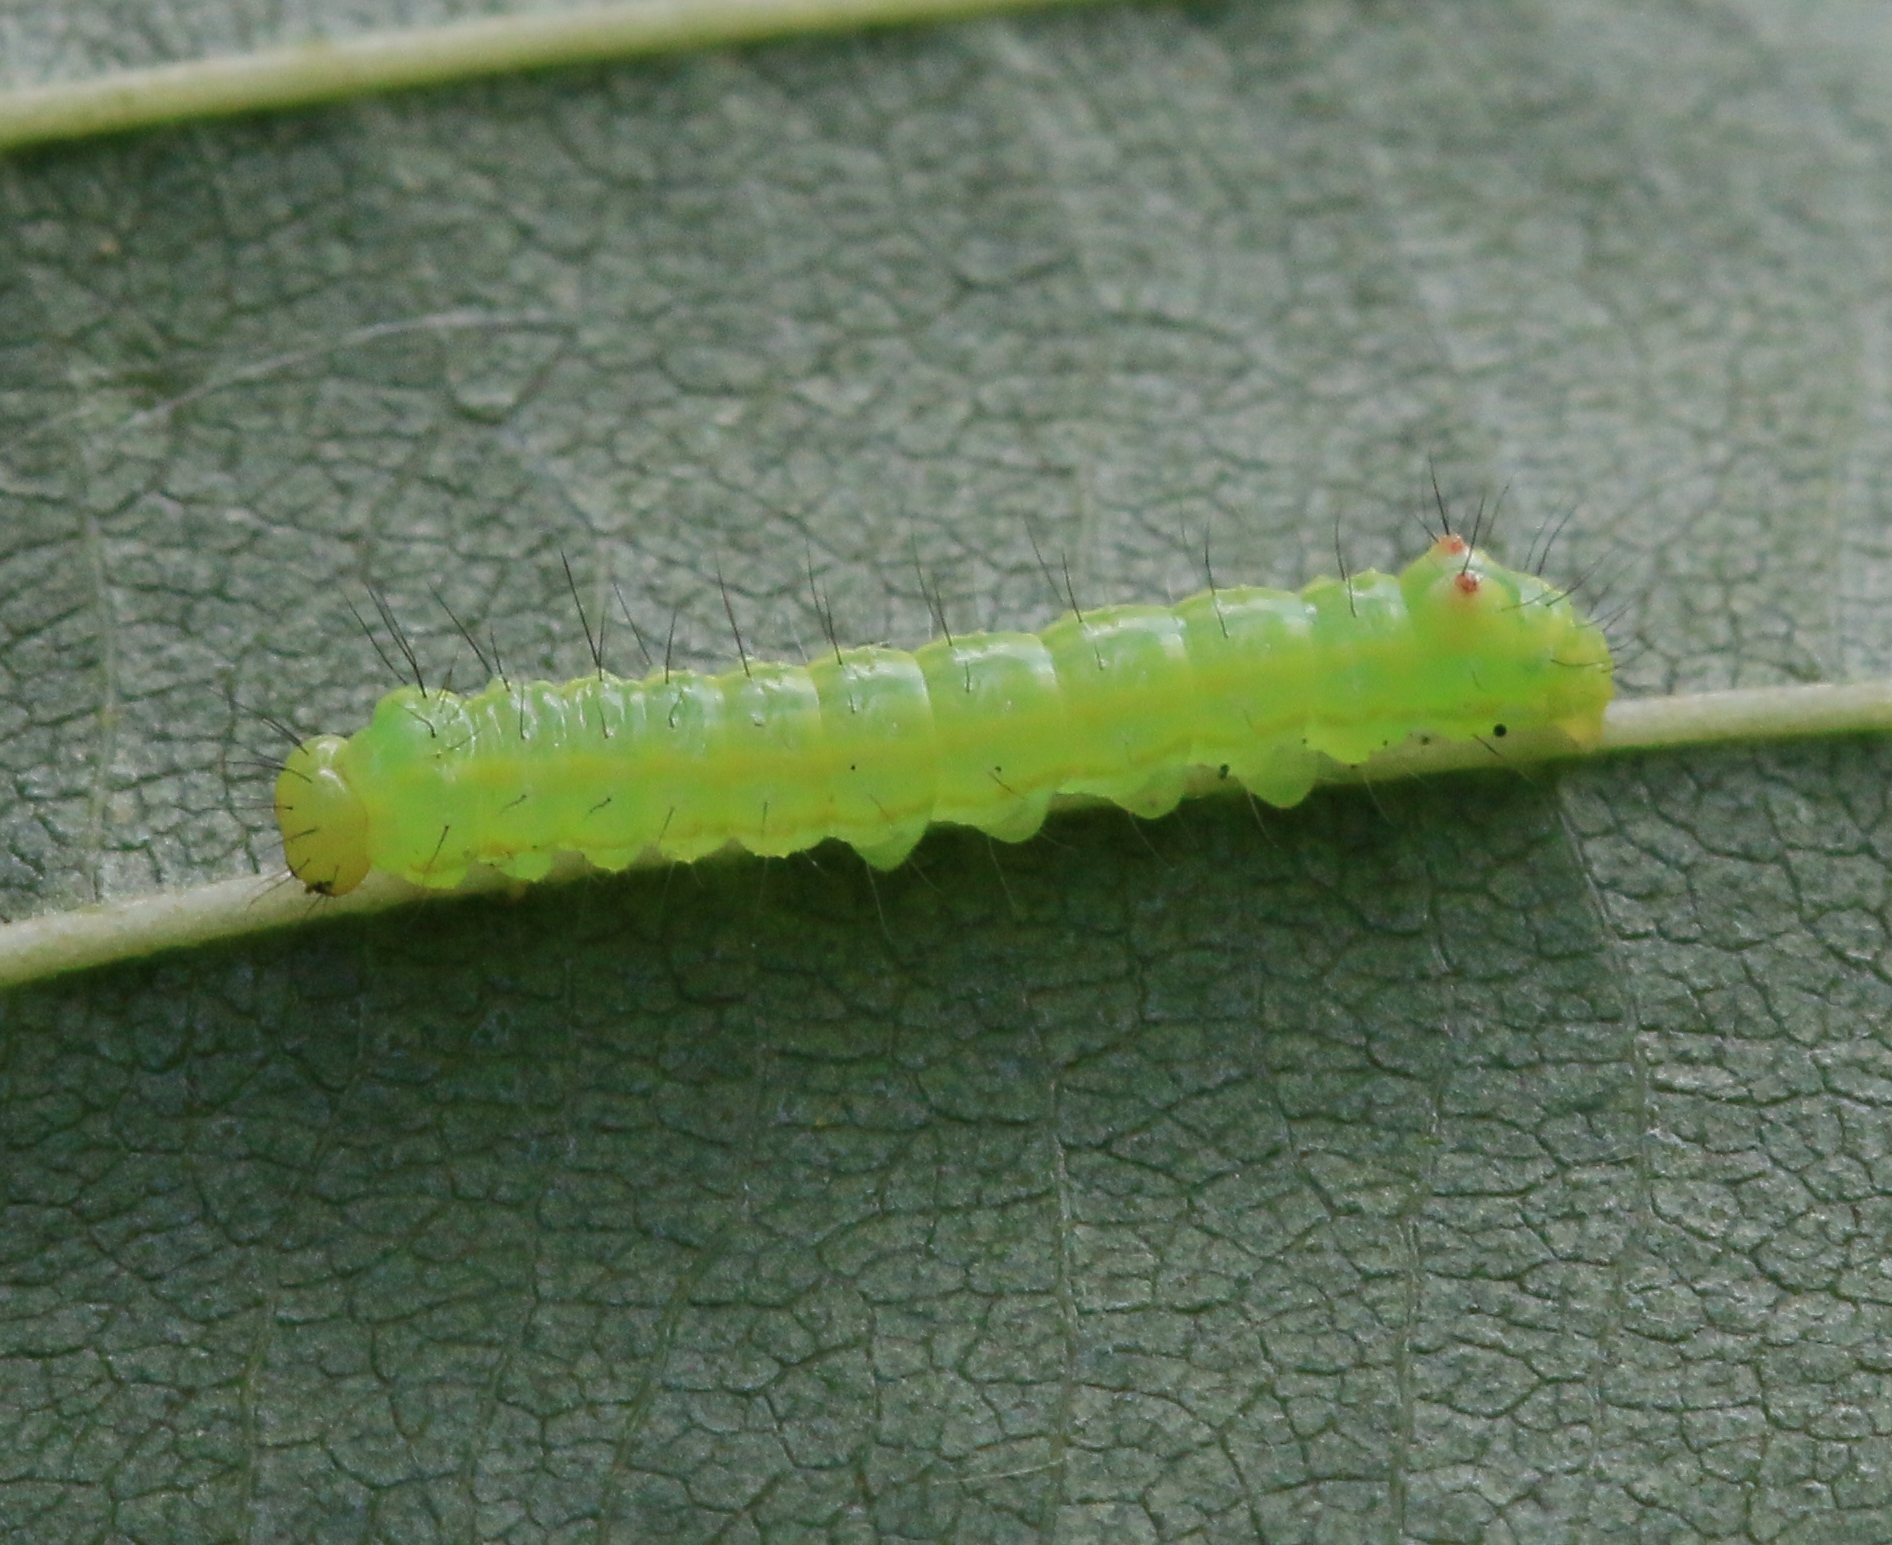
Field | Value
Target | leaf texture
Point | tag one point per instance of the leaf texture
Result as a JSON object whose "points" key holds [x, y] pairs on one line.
{"points": [[1494, 1159]]}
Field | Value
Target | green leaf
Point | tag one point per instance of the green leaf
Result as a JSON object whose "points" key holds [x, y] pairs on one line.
{"points": [[1486, 1158]]}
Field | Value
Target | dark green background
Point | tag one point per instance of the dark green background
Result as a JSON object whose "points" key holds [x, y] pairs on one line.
{"points": [[1492, 1159]]}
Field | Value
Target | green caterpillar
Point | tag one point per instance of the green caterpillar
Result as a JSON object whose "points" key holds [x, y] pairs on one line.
{"points": [[873, 745]]}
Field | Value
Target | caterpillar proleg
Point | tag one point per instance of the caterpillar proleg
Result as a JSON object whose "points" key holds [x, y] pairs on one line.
{"points": [[872, 745]]}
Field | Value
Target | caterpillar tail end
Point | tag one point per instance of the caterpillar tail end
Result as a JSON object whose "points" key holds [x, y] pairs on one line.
{"points": [[324, 823], [1586, 730]]}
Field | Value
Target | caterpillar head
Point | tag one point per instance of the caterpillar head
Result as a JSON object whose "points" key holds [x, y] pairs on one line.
{"points": [[1520, 638], [1467, 600], [324, 823]]}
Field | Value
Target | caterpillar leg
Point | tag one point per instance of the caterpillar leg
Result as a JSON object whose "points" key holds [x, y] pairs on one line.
{"points": [[892, 847], [1283, 773]]}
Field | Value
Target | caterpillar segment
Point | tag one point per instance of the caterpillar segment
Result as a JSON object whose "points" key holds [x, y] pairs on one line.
{"points": [[873, 745]]}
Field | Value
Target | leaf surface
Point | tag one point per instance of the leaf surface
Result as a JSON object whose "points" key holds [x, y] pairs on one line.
{"points": [[1493, 1159]]}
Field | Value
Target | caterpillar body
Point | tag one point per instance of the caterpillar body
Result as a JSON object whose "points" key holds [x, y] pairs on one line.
{"points": [[872, 745]]}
